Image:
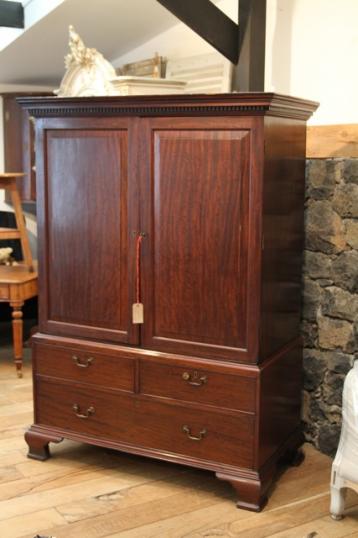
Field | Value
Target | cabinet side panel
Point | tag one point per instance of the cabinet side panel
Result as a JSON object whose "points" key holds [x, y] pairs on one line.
{"points": [[283, 231], [280, 401]]}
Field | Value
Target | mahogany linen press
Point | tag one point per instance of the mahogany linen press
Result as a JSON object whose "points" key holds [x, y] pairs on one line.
{"points": [[170, 247]]}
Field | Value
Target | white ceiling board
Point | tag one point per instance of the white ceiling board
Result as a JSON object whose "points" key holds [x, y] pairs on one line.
{"points": [[113, 27]]}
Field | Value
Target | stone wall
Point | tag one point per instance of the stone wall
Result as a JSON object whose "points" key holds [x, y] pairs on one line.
{"points": [[330, 309]]}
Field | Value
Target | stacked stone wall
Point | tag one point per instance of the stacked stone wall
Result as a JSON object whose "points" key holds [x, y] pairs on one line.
{"points": [[330, 306]]}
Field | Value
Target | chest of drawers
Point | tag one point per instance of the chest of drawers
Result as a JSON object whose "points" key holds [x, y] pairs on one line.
{"points": [[191, 206]]}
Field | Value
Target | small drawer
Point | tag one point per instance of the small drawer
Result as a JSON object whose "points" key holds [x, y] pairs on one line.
{"points": [[4, 291], [75, 364], [127, 418], [209, 387]]}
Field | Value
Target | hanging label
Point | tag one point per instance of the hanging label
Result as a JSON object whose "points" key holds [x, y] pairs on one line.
{"points": [[137, 313]]}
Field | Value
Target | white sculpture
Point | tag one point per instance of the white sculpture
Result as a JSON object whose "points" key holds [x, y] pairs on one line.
{"points": [[88, 73], [5, 255], [345, 465]]}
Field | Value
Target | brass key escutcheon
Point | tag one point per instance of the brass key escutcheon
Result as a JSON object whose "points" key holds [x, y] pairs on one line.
{"points": [[194, 379]]}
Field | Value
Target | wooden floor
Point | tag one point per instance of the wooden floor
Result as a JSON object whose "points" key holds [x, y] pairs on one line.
{"points": [[87, 492]]}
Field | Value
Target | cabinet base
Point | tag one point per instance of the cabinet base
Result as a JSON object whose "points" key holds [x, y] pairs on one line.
{"points": [[250, 493], [38, 444], [251, 487], [293, 457]]}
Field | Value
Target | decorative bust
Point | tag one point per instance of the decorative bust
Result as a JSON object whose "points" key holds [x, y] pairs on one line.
{"points": [[5, 256], [88, 72]]}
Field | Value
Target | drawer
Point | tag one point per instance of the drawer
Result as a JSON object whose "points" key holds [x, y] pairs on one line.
{"points": [[198, 385], [180, 430], [76, 364], [4, 291]]}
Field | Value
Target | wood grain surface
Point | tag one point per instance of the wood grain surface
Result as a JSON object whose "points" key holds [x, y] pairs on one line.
{"points": [[327, 141]]}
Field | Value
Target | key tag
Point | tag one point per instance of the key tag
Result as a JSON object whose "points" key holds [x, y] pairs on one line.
{"points": [[137, 313], [137, 307]]}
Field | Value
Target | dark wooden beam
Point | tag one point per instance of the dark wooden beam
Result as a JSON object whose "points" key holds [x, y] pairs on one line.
{"points": [[242, 44], [249, 74], [209, 22], [11, 14]]}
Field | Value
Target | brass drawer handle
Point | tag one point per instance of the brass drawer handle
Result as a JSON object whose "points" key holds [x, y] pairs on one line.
{"points": [[90, 411], [194, 379], [201, 435], [85, 364]]}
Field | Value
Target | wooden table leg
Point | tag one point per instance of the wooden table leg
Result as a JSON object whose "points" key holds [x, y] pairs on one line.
{"points": [[17, 330]]}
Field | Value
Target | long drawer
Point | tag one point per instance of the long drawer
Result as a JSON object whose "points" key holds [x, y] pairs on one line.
{"points": [[75, 364], [178, 429], [225, 390]]}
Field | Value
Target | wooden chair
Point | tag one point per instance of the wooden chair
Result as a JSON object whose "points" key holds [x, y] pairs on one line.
{"points": [[17, 282], [345, 465]]}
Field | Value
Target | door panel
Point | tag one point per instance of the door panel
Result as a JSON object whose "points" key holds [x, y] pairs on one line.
{"points": [[87, 228], [199, 291]]}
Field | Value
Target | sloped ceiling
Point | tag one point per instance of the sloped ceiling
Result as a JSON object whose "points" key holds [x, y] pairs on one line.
{"points": [[114, 27]]}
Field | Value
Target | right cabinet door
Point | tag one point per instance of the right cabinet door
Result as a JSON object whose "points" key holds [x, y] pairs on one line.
{"points": [[201, 211]]}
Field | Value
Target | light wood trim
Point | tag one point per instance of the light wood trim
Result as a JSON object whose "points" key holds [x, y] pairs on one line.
{"points": [[11, 175], [325, 141], [9, 233]]}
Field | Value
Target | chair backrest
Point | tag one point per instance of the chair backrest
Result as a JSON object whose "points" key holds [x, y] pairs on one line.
{"points": [[8, 182], [350, 397], [7, 220]]}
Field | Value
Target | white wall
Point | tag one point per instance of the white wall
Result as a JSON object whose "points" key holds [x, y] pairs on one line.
{"points": [[177, 42], [34, 10], [311, 52]]}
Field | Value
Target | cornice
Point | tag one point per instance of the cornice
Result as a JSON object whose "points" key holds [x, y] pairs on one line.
{"points": [[171, 105]]}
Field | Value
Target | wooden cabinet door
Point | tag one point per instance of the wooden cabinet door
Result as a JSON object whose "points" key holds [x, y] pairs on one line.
{"points": [[201, 211], [85, 224]]}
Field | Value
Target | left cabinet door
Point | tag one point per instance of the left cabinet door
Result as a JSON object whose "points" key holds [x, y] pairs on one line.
{"points": [[86, 215]]}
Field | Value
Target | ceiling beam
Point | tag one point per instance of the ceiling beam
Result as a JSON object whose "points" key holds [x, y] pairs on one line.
{"points": [[249, 73], [11, 14], [243, 44], [209, 22]]}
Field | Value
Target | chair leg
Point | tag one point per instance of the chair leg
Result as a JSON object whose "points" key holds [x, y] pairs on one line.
{"points": [[17, 331], [338, 496]]}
